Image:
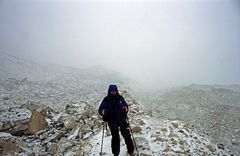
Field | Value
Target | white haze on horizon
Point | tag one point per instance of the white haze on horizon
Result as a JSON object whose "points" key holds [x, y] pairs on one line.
{"points": [[157, 43]]}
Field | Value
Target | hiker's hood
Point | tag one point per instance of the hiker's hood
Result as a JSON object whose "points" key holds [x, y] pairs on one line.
{"points": [[111, 88]]}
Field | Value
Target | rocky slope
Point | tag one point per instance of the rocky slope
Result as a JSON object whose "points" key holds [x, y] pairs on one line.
{"points": [[38, 103], [22, 81], [52, 110], [213, 110], [78, 129]]}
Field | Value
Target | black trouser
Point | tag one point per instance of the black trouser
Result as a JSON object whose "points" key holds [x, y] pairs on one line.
{"points": [[116, 139]]}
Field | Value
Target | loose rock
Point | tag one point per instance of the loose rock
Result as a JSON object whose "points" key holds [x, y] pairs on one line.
{"points": [[136, 129]]}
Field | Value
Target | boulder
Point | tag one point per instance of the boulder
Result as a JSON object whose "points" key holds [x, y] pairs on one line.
{"points": [[19, 121], [38, 122], [69, 121], [75, 108], [12, 115], [15, 120]]}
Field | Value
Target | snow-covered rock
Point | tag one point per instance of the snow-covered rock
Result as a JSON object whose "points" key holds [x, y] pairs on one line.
{"points": [[20, 120], [15, 120], [69, 121]]}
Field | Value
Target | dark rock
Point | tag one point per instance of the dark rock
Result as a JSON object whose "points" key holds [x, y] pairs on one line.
{"points": [[56, 136], [220, 146], [211, 148], [166, 149], [5, 98]]}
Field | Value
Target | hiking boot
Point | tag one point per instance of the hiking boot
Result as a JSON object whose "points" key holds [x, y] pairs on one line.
{"points": [[132, 154]]}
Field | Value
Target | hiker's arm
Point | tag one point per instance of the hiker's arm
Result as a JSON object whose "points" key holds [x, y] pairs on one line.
{"points": [[124, 105], [102, 107]]}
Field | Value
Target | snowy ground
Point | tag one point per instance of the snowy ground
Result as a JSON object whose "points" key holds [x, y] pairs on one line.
{"points": [[161, 137], [96, 144]]}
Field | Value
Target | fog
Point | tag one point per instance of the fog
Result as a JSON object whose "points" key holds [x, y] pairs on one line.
{"points": [[157, 43]]}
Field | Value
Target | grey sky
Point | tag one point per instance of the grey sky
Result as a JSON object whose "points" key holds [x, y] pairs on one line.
{"points": [[165, 43]]}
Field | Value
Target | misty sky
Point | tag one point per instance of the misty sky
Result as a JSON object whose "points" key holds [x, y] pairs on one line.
{"points": [[163, 43]]}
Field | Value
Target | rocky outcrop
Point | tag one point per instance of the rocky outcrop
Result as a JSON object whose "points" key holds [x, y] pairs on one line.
{"points": [[212, 109], [37, 123], [21, 120], [69, 121], [15, 120]]}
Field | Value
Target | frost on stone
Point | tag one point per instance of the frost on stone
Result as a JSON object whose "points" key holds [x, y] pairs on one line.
{"points": [[15, 114], [4, 135]]}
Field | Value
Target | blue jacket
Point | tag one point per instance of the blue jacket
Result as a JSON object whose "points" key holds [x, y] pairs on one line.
{"points": [[114, 106]]}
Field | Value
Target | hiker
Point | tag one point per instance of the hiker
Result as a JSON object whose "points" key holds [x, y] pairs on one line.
{"points": [[114, 110]]}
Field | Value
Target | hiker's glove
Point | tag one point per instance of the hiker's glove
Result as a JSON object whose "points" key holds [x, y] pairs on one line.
{"points": [[124, 109], [105, 112]]}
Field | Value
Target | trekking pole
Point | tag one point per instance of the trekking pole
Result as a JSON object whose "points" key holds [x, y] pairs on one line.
{"points": [[132, 136], [101, 153]]}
